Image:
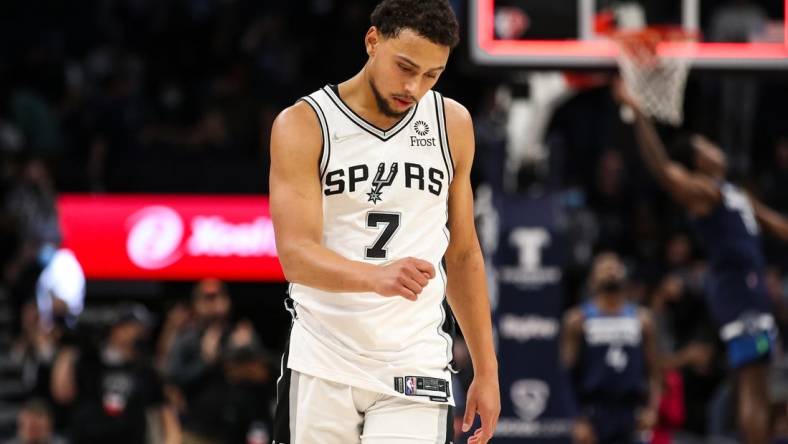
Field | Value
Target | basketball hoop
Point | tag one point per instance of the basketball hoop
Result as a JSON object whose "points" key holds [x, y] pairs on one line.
{"points": [[657, 82]]}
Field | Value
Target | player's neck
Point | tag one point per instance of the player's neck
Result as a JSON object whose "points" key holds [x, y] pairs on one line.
{"points": [[609, 303], [357, 93]]}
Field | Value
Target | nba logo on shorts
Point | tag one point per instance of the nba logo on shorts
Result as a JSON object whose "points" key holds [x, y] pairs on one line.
{"points": [[410, 385]]}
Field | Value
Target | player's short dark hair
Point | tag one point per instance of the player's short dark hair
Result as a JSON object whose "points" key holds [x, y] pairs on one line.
{"points": [[431, 19]]}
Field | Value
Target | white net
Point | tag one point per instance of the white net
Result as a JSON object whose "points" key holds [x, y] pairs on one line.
{"points": [[656, 83]]}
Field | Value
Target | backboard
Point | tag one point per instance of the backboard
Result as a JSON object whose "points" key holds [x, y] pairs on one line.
{"points": [[564, 33]]}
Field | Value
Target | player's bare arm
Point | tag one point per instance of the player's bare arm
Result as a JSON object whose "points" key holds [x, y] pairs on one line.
{"points": [[694, 191], [297, 213], [648, 416], [467, 287], [774, 222]]}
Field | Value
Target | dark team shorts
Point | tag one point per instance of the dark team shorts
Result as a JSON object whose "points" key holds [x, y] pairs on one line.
{"points": [[612, 423], [740, 305]]}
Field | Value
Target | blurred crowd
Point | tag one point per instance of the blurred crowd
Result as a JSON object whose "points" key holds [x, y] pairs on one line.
{"points": [[200, 375], [109, 95]]}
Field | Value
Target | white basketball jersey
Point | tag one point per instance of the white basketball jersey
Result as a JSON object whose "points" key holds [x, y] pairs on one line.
{"points": [[384, 198]]}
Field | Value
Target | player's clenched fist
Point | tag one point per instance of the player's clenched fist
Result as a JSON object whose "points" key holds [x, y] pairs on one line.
{"points": [[405, 277]]}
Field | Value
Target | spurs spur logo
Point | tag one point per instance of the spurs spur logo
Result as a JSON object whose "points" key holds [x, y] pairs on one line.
{"points": [[378, 183]]}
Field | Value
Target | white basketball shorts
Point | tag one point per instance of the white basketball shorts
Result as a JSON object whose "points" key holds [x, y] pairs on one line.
{"points": [[312, 410]]}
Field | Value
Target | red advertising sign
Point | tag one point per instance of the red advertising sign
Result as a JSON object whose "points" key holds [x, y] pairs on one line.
{"points": [[171, 237]]}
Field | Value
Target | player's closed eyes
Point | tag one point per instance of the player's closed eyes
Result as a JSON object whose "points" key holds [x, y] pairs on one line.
{"points": [[406, 69], [409, 70]]}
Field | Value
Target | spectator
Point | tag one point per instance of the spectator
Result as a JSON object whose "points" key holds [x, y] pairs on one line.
{"points": [[178, 318], [30, 204], [195, 361], [250, 395], [611, 200], [773, 183], [28, 365], [35, 350], [775, 287], [35, 424], [60, 290], [775, 180], [113, 389], [686, 341]]}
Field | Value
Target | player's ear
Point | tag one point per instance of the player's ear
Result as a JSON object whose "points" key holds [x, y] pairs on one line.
{"points": [[371, 40]]}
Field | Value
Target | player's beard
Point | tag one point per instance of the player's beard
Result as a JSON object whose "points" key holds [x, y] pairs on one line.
{"points": [[383, 106], [611, 286]]}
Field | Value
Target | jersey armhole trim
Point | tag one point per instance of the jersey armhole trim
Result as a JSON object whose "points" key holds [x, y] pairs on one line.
{"points": [[447, 321], [325, 149], [443, 135], [446, 131]]}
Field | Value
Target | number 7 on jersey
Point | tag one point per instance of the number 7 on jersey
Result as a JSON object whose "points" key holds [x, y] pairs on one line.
{"points": [[374, 220]]}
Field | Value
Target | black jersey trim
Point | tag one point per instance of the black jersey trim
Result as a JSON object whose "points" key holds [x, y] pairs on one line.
{"points": [[442, 135], [283, 386], [446, 133], [449, 425], [325, 150], [362, 123], [447, 326]]}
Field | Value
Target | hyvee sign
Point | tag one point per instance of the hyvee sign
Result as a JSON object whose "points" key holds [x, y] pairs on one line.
{"points": [[171, 236]]}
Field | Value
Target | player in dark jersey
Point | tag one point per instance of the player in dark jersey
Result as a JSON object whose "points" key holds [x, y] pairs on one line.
{"points": [[609, 347], [729, 222]]}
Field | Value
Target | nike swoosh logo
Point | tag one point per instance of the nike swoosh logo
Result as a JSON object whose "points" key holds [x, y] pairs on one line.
{"points": [[342, 137]]}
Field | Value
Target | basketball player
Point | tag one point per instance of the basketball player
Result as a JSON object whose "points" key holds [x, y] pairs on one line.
{"points": [[728, 221], [373, 211], [609, 346]]}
